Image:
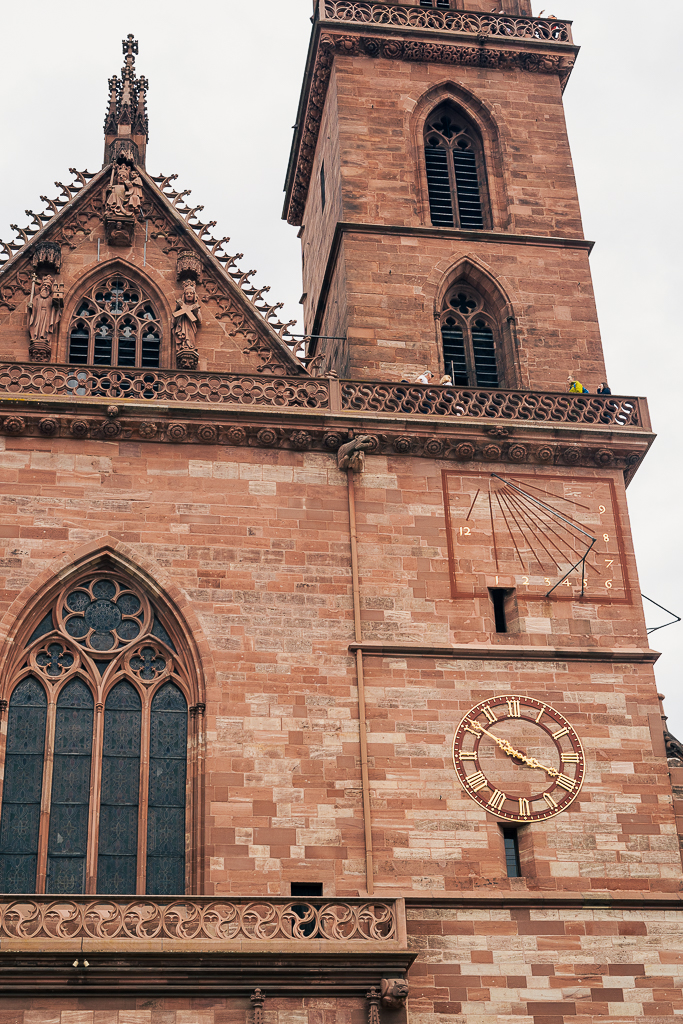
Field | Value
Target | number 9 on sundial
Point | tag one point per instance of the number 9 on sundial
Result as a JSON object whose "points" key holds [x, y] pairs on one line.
{"points": [[518, 758]]}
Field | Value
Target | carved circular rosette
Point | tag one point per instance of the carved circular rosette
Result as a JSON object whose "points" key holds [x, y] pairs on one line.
{"points": [[236, 436], [80, 428], [14, 425], [517, 453], [110, 429], [147, 429], [177, 431], [48, 426], [267, 437], [300, 440], [604, 457], [403, 445], [633, 458], [433, 446], [492, 453], [545, 453], [465, 452], [207, 433], [572, 455], [54, 659], [103, 615], [333, 440], [371, 47], [149, 662]]}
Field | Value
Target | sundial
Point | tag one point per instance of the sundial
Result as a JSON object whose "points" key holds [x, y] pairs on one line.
{"points": [[543, 535]]}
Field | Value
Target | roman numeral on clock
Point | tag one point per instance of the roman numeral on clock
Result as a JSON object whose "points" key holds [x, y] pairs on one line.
{"points": [[490, 715], [566, 782], [570, 759], [514, 710], [550, 802], [560, 733], [477, 781], [524, 807], [496, 800], [467, 755]]}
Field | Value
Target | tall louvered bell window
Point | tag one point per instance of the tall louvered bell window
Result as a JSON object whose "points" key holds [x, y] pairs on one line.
{"points": [[469, 336], [107, 812], [455, 172], [115, 324]]}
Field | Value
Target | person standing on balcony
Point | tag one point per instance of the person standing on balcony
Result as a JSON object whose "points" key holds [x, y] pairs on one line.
{"points": [[603, 389], [424, 378], [575, 387]]}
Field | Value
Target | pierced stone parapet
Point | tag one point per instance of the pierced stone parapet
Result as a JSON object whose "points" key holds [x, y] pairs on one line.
{"points": [[501, 26], [205, 921]]}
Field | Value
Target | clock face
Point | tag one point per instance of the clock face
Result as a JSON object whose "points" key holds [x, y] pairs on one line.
{"points": [[518, 758], [541, 534]]}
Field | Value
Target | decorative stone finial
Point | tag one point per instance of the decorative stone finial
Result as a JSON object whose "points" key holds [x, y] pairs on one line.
{"points": [[126, 118]]}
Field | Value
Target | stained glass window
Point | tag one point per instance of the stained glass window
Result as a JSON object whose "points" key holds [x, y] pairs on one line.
{"points": [[68, 834], [105, 794], [115, 325], [166, 814], [23, 787], [120, 792]]}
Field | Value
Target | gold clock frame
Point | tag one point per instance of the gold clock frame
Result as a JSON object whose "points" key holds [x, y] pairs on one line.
{"points": [[565, 738]]}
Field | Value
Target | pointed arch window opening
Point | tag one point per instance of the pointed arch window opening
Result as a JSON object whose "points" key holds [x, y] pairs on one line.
{"points": [[115, 324], [456, 173], [101, 684], [470, 340]]}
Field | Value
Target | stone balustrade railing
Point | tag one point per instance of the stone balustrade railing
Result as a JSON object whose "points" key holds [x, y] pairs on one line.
{"points": [[408, 15], [205, 920], [31, 380]]}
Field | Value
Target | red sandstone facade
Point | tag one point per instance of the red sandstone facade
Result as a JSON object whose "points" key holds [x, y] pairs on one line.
{"points": [[329, 615]]}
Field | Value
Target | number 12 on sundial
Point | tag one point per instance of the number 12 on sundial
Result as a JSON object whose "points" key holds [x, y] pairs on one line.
{"points": [[539, 534]]}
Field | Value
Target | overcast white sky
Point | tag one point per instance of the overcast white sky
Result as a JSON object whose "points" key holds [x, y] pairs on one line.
{"points": [[224, 84]]}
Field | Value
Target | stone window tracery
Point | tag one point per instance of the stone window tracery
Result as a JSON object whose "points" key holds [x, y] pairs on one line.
{"points": [[101, 683], [470, 339], [456, 176], [115, 324]]}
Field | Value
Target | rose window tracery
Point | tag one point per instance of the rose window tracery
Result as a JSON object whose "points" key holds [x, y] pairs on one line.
{"points": [[115, 324], [102, 616]]}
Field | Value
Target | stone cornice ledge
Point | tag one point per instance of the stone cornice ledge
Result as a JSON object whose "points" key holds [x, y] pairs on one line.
{"points": [[598, 900], [509, 652]]}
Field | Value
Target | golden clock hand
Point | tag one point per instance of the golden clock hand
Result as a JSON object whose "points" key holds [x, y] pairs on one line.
{"points": [[508, 749]]}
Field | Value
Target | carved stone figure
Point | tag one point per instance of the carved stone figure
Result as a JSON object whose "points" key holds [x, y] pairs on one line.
{"points": [[394, 992], [187, 319], [116, 203], [46, 310], [352, 455]]}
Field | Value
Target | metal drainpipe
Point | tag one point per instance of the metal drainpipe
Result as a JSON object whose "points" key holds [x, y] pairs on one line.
{"points": [[365, 782]]}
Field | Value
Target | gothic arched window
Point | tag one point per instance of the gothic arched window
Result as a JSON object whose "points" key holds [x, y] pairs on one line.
{"points": [[115, 324], [470, 339], [100, 683], [455, 171]]}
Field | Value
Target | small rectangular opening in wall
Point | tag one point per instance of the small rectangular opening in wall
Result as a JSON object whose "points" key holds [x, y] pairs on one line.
{"points": [[307, 890], [512, 861], [499, 600], [322, 186]]}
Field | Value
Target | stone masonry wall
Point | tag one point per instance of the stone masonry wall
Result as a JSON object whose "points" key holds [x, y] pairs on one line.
{"points": [[257, 543]]}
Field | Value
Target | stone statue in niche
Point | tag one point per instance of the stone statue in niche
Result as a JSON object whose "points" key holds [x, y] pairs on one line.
{"points": [[45, 309], [122, 201], [394, 992], [187, 319]]}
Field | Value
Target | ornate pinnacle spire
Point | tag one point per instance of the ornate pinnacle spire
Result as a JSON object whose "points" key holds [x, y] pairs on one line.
{"points": [[126, 128]]}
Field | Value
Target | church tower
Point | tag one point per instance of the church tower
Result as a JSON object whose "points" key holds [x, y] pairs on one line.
{"points": [[326, 696], [432, 179]]}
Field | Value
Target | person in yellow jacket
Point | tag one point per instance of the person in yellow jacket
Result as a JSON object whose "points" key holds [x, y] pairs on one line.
{"points": [[575, 387]]}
